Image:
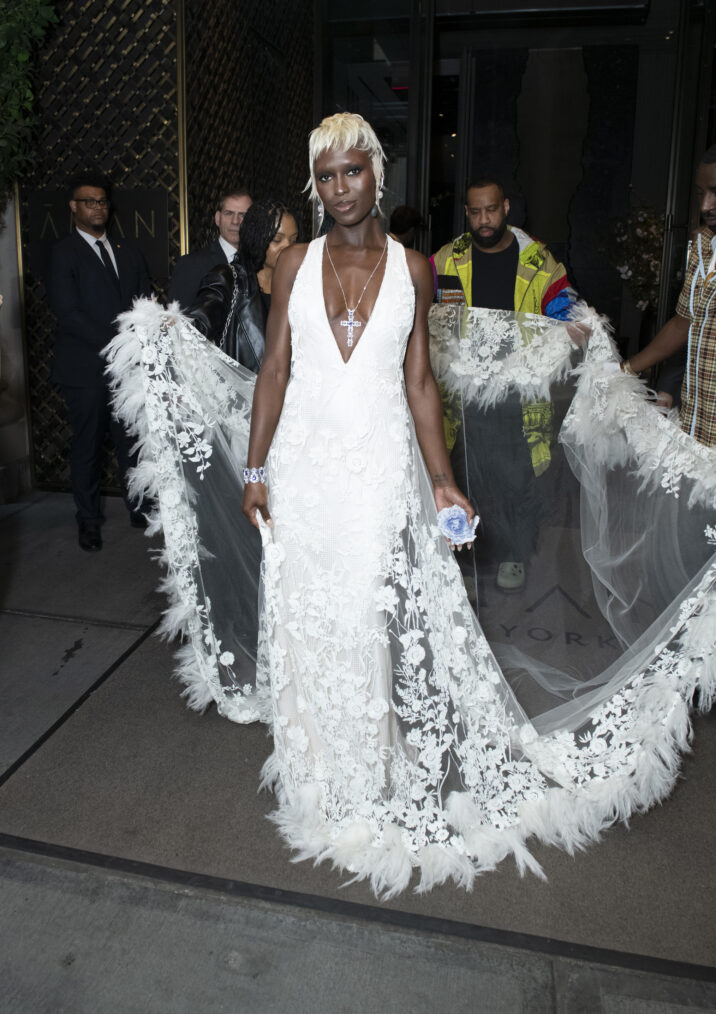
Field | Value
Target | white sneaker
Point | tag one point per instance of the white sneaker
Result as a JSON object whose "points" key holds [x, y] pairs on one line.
{"points": [[510, 576]]}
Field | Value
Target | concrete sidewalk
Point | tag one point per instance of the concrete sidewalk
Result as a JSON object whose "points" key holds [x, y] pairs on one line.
{"points": [[78, 939], [83, 935]]}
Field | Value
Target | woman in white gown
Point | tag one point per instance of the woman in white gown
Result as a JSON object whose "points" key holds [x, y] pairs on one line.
{"points": [[399, 747], [335, 402], [397, 743]]}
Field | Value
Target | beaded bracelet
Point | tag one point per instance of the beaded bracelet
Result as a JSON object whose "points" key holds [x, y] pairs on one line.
{"points": [[254, 475]]}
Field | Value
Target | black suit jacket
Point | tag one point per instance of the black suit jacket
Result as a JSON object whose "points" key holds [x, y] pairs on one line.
{"points": [[86, 302], [189, 271]]}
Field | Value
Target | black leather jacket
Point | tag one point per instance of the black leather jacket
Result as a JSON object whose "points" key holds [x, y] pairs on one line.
{"points": [[240, 330]]}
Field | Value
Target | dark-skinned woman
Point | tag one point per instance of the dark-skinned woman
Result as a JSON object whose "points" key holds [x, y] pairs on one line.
{"points": [[364, 610], [399, 746]]}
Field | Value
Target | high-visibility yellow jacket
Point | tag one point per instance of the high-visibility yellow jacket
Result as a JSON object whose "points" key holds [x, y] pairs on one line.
{"points": [[541, 287], [541, 283]]}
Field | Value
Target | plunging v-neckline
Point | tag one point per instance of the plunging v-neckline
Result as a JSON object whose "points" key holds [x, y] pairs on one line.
{"points": [[365, 324]]}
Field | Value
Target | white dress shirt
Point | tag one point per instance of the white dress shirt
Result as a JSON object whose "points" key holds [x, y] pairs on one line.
{"points": [[229, 250], [93, 240]]}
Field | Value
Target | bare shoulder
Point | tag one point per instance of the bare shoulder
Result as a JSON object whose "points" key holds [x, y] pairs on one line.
{"points": [[293, 256], [288, 264], [419, 268]]}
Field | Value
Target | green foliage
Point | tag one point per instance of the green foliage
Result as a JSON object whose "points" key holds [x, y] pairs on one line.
{"points": [[23, 24]]}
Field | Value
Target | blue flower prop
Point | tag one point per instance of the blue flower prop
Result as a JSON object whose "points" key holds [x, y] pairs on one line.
{"points": [[453, 523]]}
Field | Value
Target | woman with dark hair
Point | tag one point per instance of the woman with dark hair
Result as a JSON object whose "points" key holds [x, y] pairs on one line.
{"points": [[233, 301]]}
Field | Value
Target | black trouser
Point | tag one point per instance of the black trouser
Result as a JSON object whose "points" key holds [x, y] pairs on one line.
{"points": [[90, 416], [495, 456]]}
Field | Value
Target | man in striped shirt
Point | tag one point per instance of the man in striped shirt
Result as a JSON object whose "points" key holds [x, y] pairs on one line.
{"points": [[694, 323]]}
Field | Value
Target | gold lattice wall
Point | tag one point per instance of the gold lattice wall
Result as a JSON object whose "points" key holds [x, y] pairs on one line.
{"points": [[252, 131], [108, 97]]}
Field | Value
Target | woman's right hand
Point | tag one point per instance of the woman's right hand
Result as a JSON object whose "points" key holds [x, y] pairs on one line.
{"points": [[256, 498]]}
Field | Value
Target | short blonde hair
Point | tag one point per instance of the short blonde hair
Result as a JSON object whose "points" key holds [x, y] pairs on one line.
{"points": [[339, 133]]}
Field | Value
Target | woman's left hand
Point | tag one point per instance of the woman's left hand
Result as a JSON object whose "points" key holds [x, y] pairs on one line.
{"points": [[446, 496]]}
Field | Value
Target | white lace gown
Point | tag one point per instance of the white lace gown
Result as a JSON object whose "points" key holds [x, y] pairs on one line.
{"points": [[394, 732], [399, 747]]}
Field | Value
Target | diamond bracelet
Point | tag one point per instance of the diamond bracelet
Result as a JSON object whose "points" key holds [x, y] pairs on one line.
{"points": [[254, 475]]}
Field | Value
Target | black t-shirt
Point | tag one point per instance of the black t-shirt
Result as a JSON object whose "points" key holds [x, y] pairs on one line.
{"points": [[493, 277]]}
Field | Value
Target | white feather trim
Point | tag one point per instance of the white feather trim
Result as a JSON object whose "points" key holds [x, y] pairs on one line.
{"points": [[610, 412]]}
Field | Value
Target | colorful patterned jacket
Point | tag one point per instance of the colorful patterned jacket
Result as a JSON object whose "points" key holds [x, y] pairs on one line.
{"points": [[541, 283], [541, 287]]}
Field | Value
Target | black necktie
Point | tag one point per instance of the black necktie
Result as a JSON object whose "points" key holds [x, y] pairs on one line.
{"points": [[107, 261]]}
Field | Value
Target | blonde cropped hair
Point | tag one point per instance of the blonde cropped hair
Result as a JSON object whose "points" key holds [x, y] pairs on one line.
{"points": [[339, 133]]}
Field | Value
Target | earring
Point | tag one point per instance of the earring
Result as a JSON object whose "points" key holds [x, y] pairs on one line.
{"points": [[320, 213]]}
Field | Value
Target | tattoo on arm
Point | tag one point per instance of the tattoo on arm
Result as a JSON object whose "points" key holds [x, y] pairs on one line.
{"points": [[442, 479]]}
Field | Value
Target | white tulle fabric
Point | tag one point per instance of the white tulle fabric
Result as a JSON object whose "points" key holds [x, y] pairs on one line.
{"points": [[385, 693], [399, 745]]}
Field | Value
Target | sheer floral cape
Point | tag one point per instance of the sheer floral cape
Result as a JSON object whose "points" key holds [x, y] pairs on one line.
{"points": [[566, 706]]}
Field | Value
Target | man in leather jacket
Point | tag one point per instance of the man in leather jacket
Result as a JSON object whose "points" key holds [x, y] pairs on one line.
{"points": [[191, 268]]}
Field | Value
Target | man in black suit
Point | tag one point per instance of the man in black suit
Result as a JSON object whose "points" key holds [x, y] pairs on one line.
{"points": [[191, 268], [90, 280]]}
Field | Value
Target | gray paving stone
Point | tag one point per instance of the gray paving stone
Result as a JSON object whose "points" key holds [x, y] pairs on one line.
{"points": [[594, 989], [613, 1004], [6, 509], [87, 942], [46, 665], [43, 570], [82, 940]]}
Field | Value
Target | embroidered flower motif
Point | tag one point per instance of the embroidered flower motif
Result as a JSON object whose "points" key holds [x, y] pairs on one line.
{"points": [[415, 655], [170, 497], [297, 738], [382, 691], [377, 708], [386, 598], [356, 462], [453, 523]]}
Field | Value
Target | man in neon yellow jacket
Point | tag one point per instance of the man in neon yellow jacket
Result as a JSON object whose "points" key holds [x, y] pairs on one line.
{"points": [[528, 275], [500, 267]]}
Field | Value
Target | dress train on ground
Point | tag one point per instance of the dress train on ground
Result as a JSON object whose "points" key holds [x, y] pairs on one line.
{"points": [[400, 744]]}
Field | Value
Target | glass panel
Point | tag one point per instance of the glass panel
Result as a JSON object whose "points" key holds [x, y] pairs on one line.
{"points": [[576, 120], [367, 73]]}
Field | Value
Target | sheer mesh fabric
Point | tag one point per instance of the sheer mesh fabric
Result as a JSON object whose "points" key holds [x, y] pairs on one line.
{"points": [[425, 715]]}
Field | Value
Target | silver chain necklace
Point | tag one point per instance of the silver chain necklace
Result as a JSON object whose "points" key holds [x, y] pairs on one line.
{"points": [[352, 323], [232, 308]]}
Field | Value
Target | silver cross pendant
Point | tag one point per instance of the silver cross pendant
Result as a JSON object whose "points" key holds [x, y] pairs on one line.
{"points": [[350, 324]]}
